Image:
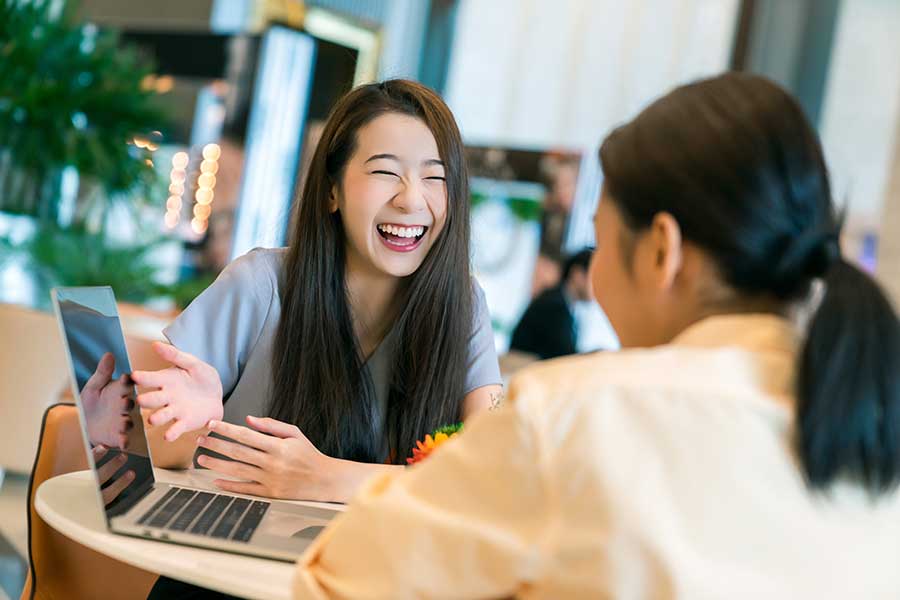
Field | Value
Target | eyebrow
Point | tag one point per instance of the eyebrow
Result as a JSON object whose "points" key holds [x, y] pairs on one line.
{"points": [[427, 163]]}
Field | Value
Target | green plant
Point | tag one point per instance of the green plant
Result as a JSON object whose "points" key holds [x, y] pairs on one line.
{"points": [[524, 209], [70, 95], [75, 256], [184, 292]]}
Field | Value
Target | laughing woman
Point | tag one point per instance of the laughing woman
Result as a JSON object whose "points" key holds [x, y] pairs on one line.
{"points": [[329, 359]]}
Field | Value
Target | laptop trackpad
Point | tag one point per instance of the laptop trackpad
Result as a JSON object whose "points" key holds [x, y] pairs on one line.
{"points": [[308, 533], [298, 524]]}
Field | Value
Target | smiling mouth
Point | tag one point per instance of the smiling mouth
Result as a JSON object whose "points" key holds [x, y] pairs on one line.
{"points": [[401, 238]]}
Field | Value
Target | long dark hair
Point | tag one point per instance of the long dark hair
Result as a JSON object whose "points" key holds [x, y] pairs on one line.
{"points": [[319, 383], [734, 160]]}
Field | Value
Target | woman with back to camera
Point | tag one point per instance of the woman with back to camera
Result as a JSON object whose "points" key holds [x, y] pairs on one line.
{"points": [[744, 444]]}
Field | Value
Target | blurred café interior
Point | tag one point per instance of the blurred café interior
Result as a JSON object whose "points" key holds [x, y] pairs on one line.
{"points": [[187, 131]]}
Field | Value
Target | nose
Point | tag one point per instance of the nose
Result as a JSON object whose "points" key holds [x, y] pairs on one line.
{"points": [[411, 199]]}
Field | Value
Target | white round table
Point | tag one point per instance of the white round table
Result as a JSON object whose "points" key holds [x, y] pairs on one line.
{"points": [[69, 503]]}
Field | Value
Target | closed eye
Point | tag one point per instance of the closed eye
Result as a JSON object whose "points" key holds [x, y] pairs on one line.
{"points": [[437, 178], [385, 173]]}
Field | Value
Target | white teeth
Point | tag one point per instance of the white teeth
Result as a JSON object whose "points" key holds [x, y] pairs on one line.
{"points": [[406, 232]]}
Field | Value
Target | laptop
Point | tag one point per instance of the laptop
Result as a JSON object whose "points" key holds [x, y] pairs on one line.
{"points": [[135, 503]]}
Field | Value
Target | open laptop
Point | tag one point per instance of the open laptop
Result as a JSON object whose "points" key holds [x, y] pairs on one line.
{"points": [[134, 502]]}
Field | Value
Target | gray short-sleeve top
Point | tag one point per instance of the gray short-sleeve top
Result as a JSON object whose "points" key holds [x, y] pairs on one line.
{"points": [[232, 326]]}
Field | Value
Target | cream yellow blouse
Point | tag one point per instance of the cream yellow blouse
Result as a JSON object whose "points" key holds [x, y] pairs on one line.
{"points": [[661, 473]]}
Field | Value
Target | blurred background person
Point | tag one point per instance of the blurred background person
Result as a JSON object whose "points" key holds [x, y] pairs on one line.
{"points": [[549, 328]]}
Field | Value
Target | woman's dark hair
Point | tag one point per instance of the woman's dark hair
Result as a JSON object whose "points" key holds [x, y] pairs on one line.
{"points": [[319, 382], [734, 160], [581, 260]]}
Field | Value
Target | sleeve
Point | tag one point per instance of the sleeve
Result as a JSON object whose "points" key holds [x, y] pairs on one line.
{"points": [[484, 369], [222, 325], [472, 520]]}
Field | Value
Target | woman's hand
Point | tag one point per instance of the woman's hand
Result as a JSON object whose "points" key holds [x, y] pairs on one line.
{"points": [[189, 393], [109, 468], [107, 405], [284, 464]]}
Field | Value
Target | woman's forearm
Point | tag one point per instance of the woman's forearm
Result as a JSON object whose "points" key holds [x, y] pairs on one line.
{"points": [[350, 475]]}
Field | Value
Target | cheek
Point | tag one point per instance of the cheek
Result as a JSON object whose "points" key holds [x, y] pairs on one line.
{"points": [[437, 206], [601, 280], [358, 205], [611, 285]]}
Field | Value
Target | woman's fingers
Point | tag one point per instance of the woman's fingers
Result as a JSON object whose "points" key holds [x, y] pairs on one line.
{"points": [[250, 488], [246, 436], [232, 450], [190, 393], [274, 427], [175, 356], [125, 424], [117, 487], [120, 387], [162, 416], [101, 375], [231, 468], [109, 468], [122, 404], [155, 399], [154, 379], [176, 430], [98, 452]]}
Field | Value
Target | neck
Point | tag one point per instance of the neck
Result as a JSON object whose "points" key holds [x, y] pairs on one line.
{"points": [[570, 291], [371, 295], [724, 301]]}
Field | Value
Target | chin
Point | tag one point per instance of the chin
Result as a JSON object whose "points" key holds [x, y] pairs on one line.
{"points": [[399, 270], [399, 264]]}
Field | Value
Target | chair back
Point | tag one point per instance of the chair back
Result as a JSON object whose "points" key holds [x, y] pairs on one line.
{"points": [[33, 374], [60, 568]]}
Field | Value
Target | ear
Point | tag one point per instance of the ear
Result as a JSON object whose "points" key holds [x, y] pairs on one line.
{"points": [[668, 254], [333, 199]]}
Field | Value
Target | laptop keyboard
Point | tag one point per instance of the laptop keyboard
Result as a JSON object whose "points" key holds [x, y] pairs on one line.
{"points": [[206, 513]]}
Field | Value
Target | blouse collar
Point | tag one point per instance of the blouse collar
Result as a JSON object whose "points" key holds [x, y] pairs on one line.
{"points": [[758, 332]]}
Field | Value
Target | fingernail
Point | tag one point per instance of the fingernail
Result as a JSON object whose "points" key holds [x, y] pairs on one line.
{"points": [[201, 440], [129, 474], [201, 460], [212, 424]]}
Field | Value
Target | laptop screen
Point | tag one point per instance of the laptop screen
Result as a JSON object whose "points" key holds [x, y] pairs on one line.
{"points": [[112, 421]]}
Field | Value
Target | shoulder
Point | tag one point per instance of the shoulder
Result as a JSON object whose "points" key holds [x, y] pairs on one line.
{"points": [[477, 293], [479, 303], [548, 302], [650, 375], [259, 263], [551, 296], [258, 272]]}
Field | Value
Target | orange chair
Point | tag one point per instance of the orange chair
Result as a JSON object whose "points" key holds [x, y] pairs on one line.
{"points": [[33, 372], [61, 568]]}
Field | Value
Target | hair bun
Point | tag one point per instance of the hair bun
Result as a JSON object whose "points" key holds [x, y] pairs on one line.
{"points": [[805, 257]]}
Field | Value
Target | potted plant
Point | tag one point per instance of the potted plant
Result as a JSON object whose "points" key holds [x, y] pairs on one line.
{"points": [[77, 132]]}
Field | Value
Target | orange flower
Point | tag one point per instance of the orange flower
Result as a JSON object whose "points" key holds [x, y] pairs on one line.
{"points": [[424, 449]]}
